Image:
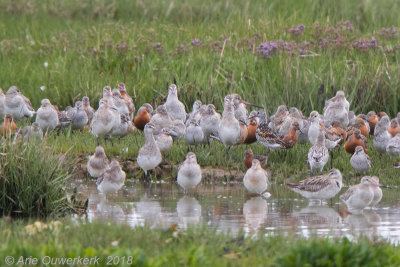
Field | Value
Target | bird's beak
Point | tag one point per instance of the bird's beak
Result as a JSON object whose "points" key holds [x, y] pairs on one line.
{"points": [[250, 104], [301, 130], [173, 134]]}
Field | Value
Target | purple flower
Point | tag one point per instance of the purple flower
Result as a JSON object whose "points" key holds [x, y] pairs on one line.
{"points": [[323, 43], [122, 48], [365, 44], [298, 30], [180, 48], [196, 42], [389, 32], [267, 48]]}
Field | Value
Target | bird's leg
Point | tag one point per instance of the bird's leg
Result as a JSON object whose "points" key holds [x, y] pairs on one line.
{"points": [[227, 150], [119, 139], [331, 158], [98, 142], [105, 140]]}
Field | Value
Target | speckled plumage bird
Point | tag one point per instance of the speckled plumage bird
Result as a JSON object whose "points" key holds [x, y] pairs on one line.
{"points": [[318, 155], [360, 161], [320, 187]]}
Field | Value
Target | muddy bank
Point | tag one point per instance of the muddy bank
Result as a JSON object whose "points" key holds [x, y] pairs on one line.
{"points": [[165, 170]]}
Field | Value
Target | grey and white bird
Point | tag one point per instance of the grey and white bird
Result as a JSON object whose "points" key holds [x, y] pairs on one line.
{"points": [[120, 102], [393, 146], [229, 128], [175, 108], [360, 161], [149, 155], [78, 116], [112, 179], [196, 113], [318, 155], [164, 139], [319, 187], [189, 173], [359, 196], [337, 111], [194, 134], [88, 109], [382, 135], [17, 105], [124, 127], [97, 163], [47, 116], [161, 119], [378, 194], [104, 120], [210, 121], [256, 178]]}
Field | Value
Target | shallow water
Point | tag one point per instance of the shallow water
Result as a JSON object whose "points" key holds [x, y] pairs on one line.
{"points": [[230, 208]]}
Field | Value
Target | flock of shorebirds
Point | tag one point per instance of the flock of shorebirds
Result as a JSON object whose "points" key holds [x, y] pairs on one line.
{"points": [[115, 117]]}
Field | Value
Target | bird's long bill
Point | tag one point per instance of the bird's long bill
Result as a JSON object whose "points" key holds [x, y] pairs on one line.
{"points": [[173, 134], [301, 129], [250, 104]]}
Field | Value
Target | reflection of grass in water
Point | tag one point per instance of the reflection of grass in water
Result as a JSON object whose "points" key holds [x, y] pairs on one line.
{"points": [[192, 247]]}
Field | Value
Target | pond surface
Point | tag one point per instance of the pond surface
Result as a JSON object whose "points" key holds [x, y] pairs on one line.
{"points": [[229, 208]]}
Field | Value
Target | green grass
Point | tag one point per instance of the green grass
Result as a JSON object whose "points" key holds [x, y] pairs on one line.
{"points": [[33, 180], [64, 34], [192, 247]]}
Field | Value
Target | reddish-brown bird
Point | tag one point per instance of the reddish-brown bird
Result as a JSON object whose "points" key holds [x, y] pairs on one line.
{"points": [[337, 128], [142, 118], [249, 156], [251, 132], [372, 120], [291, 138], [7, 129], [358, 124], [243, 132], [394, 127], [356, 139]]}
